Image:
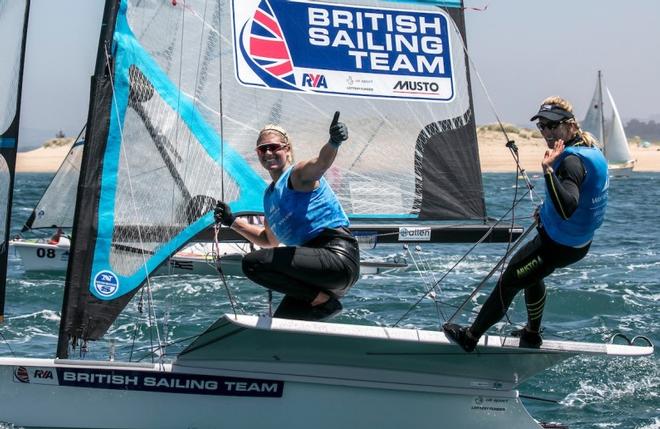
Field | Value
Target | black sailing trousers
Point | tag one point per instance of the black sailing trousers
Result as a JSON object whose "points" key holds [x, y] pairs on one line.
{"points": [[328, 263], [528, 267]]}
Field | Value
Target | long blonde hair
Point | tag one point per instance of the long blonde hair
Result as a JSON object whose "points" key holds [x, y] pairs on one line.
{"points": [[273, 129], [587, 137]]}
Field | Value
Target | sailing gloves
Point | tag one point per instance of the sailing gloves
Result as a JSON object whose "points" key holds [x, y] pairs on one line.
{"points": [[223, 215], [338, 132]]}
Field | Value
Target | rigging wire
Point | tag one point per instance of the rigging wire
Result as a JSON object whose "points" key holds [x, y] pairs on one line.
{"points": [[481, 240], [216, 243], [7, 343]]}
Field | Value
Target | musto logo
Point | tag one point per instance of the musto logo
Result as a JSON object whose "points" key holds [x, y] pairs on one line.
{"points": [[411, 86], [317, 47], [106, 283]]}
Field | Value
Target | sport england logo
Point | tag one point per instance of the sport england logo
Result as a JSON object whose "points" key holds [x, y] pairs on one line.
{"points": [[106, 284], [21, 374], [307, 46]]}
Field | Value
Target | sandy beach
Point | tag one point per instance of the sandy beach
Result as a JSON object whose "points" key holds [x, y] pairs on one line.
{"points": [[493, 153], [46, 159], [496, 157]]}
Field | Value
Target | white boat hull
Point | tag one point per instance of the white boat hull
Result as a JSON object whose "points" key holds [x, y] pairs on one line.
{"points": [[273, 373], [39, 256], [619, 170], [313, 402]]}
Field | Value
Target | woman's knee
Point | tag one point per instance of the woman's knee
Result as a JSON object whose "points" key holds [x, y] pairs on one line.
{"points": [[253, 263]]}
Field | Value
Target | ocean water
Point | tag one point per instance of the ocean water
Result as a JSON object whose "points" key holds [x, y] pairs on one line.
{"points": [[616, 288]]}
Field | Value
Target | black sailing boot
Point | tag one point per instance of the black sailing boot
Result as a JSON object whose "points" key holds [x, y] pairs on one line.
{"points": [[528, 339], [460, 336], [292, 308]]}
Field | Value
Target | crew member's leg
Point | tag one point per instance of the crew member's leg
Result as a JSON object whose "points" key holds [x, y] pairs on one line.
{"points": [[526, 270], [303, 274]]}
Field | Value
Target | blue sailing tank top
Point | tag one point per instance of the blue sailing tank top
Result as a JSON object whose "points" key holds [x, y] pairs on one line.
{"points": [[296, 217], [579, 228]]}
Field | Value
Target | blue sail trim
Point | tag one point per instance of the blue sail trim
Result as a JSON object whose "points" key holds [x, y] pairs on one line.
{"points": [[104, 283], [7, 142]]}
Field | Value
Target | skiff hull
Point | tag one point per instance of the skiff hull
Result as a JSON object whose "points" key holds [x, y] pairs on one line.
{"points": [[273, 373]]}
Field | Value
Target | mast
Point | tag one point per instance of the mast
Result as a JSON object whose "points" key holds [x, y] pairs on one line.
{"points": [[98, 122], [8, 140], [602, 112]]}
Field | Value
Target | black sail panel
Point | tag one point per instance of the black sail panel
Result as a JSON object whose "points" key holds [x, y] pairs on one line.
{"points": [[13, 33]]}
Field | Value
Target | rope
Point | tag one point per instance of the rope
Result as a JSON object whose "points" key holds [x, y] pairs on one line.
{"points": [[216, 245]]}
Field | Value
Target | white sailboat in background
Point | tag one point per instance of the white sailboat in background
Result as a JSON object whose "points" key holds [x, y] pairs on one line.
{"points": [[176, 102], [609, 133]]}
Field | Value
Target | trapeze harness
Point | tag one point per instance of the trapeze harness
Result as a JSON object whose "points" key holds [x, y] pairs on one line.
{"points": [[321, 252], [574, 207]]}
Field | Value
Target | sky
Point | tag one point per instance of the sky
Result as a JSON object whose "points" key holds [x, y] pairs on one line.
{"points": [[523, 51]]}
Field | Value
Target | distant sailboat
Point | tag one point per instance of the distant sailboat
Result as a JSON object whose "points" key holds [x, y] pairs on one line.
{"points": [[610, 133]]}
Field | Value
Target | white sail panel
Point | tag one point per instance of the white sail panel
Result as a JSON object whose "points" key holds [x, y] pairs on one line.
{"points": [[616, 143], [11, 37], [56, 206]]}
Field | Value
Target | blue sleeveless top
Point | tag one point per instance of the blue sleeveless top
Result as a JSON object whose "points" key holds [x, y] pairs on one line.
{"points": [[297, 217], [579, 228]]}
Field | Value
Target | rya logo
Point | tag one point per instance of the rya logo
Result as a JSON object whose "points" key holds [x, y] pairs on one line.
{"points": [[43, 374], [314, 80]]}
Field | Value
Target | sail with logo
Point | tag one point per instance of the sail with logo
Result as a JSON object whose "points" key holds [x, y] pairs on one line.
{"points": [[13, 33], [191, 88], [179, 92]]}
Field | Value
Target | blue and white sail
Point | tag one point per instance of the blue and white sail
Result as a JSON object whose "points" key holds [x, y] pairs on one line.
{"points": [[181, 91], [13, 32]]}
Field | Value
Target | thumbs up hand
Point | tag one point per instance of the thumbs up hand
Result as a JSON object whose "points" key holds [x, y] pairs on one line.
{"points": [[338, 131]]}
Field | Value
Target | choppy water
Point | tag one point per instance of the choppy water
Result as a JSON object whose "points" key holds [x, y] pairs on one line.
{"points": [[615, 288]]}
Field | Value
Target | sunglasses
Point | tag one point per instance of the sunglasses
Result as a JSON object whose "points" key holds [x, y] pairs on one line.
{"points": [[548, 125], [273, 147]]}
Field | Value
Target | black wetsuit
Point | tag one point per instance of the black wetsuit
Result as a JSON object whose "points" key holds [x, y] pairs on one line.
{"points": [[328, 263], [539, 257]]}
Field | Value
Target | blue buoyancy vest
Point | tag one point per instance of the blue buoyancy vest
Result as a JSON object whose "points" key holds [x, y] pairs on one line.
{"points": [[579, 228], [297, 217]]}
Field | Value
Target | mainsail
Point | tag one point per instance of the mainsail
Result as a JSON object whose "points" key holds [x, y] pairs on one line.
{"points": [[182, 88], [609, 133], [56, 206], [13, 32]]}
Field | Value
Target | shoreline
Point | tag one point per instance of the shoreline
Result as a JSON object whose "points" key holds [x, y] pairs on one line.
{"points": [[494, 156]]}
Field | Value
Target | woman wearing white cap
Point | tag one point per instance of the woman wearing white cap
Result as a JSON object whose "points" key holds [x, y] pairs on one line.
{"points": [[321, 259], [575, 173]]}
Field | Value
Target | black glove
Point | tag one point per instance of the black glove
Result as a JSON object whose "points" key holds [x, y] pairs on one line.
{"points": [[338, 131], [223, 215]]}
